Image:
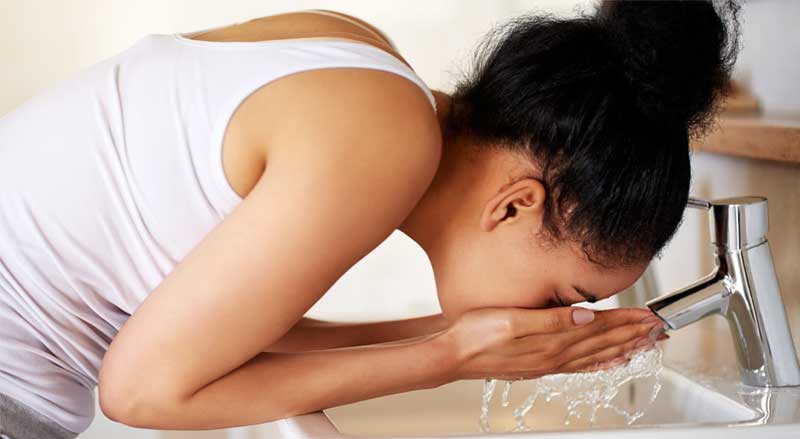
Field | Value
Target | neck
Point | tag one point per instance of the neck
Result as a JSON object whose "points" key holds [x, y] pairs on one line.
{"points": [[428, 221]]}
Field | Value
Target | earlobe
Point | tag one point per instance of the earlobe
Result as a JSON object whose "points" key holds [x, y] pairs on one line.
{"points": [[525, 196]]}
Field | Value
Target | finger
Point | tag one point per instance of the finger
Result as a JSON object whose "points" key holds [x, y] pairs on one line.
{"points": [[549, 320], [605, 365], [625, 352], [613, 318], [603, 320], [623, 316], [607, 354], [571, 349], [600, 341]]}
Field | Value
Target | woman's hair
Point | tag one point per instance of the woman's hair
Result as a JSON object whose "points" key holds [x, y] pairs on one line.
{"points": [[603, 106]]}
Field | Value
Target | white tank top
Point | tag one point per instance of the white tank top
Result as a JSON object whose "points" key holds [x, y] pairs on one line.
{"points": [[110, 177]]}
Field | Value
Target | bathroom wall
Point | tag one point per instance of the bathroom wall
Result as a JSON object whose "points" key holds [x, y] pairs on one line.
{"points": [[46, 41]]}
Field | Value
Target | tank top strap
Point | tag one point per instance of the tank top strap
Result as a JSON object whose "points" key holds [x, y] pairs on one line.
{"points": [[393, 61]]}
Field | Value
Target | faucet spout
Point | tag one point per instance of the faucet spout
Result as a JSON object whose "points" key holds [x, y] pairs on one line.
{"points": [[707, 296]]}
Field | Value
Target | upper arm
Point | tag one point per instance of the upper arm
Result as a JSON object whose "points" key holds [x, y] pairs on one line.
{"points": [[356, 155]]}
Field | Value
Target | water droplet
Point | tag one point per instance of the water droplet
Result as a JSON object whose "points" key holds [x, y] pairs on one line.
{"points": [[591, 390]]}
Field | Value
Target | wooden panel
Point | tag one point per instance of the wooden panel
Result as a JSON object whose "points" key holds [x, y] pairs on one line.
{"points": [[770, 137]]}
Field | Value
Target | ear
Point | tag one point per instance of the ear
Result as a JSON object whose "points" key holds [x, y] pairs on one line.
{"points": [[519, 200]]}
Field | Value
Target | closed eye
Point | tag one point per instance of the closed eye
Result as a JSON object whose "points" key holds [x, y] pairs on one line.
{"points": [[588, 297]]}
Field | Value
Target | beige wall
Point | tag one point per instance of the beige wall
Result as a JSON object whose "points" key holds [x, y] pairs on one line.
{"points": [[44, 41]]}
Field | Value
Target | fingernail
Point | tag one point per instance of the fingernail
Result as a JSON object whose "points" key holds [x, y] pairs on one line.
{"points": [[581, 316], [655, 331]]}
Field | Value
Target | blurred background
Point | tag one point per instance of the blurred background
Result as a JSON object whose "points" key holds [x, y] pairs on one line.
{"points": [[45, 41]]}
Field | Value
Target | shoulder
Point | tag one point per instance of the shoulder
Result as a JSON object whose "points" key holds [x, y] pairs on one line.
{"points": [[363, 108]]}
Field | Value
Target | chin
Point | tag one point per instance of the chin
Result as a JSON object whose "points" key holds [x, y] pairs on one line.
{"points": [[450, 313]]}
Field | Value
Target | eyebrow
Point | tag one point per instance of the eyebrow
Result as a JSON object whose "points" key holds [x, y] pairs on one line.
{"points": [[589, 297]]}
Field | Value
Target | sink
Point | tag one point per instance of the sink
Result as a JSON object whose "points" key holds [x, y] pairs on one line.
{"points": [[454, 408], [700, 396]]}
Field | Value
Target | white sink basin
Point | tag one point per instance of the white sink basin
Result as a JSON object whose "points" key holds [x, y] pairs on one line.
{"points": [[699, 397], [455, 408]]}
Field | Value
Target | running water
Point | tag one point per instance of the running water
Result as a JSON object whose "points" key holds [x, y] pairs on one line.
{"points": [[588, 390]]}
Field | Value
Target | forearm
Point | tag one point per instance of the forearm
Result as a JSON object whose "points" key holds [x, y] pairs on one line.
{"points": [[311, 334], [273, 386]]}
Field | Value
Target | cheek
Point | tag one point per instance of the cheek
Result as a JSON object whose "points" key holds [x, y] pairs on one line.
{"points": [[533, 279], [510, 284], [494, 274], [473, 282], [538, 289]]}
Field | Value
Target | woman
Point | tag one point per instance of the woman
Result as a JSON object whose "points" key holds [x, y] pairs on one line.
{"points": [[193, 196]]}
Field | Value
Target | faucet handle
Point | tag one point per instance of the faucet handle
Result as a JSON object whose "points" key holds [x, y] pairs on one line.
{"points": [[739, 222], [697, 203]]}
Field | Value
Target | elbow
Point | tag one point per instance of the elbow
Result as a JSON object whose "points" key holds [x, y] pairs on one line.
{"points": [[134, 392], [113, 404], [123, 406], [114, 393], [131, 405], [135, 396]]}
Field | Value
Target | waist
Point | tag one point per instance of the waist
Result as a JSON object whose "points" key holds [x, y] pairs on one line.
{"points": [[55, 400], [46, 361]]}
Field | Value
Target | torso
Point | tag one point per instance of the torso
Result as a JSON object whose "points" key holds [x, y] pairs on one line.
{"points": [[244, 160]]}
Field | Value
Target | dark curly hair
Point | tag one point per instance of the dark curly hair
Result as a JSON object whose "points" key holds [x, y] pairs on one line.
{"points": [[603, 105]]}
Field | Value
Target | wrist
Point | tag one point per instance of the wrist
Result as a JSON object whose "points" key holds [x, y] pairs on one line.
{"points": [[441, 357]]}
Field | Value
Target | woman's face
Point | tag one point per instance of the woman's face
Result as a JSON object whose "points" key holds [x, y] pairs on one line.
{"points": [[493, 258]]}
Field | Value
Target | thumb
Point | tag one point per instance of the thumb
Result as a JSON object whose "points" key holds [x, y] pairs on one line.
{"points": [[537, 321]]}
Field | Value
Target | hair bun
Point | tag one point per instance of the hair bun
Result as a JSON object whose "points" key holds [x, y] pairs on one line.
{"points": [[676, 55]]}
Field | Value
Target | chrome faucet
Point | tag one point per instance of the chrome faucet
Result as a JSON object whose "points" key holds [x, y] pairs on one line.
{"points": [[744, 289]]}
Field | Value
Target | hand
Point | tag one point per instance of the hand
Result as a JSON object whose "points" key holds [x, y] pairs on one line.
{"points": [[521, 343], [626, 357]]}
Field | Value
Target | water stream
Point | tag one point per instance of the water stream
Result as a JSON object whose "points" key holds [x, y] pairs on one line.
{"points": [[586, 392]]}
